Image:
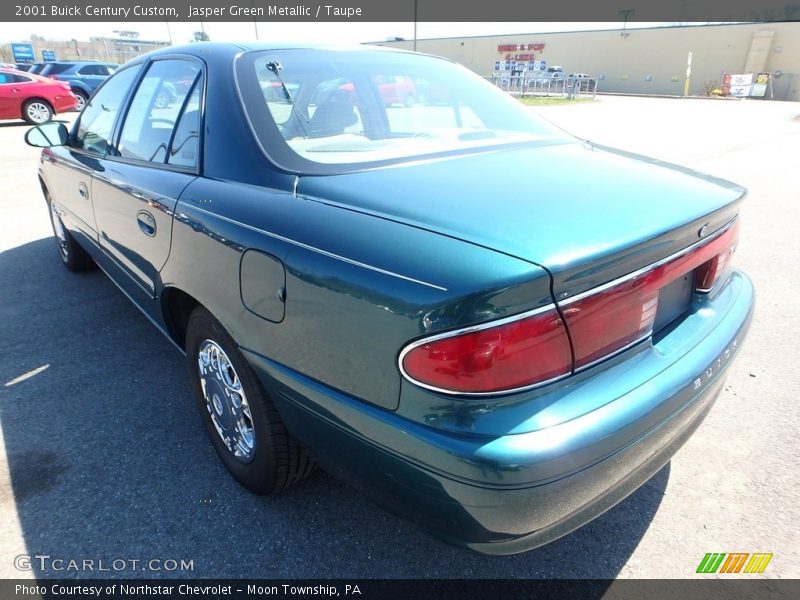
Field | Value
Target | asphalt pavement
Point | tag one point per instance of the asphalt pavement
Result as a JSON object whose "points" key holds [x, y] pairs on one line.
{"points": [[103, 457]]}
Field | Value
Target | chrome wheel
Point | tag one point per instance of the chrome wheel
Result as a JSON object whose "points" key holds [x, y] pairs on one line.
{"points": [[58, 230], [225, 401], [162, 100], [38, 112], [81, 102]]}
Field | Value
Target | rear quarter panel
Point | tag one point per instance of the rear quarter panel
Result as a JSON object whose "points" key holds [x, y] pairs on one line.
{"points": [[358, 287]]}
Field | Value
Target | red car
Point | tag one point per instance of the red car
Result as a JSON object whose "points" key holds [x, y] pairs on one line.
{"points": [[33, 98]]}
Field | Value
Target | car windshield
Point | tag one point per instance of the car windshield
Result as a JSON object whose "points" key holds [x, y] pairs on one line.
{"points": [[343, 107]]}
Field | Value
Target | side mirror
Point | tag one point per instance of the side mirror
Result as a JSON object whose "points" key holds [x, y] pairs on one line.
{"points": [[47, 135]]}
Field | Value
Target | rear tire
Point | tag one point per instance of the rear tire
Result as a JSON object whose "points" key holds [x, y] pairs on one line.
{"points": [[37, 111], [82, 98], [244, 426], [73, 256]]}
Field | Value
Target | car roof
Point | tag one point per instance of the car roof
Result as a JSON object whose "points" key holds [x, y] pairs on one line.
{"points": [[34, 76], [14, 71], [201, 48], [74, 62]]}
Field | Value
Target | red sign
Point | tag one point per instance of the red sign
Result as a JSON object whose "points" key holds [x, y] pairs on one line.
{"points": [[537, 47]]}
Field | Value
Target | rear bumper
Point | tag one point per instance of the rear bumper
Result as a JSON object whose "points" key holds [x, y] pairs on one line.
{"points": [[65, 102], [508, 493]]}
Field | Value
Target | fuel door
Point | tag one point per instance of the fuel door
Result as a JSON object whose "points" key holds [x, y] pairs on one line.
{"points": [[262, 283]]}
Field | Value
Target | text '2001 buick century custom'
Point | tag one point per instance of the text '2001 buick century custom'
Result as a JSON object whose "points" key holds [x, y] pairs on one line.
{"points": [[347, 246]]}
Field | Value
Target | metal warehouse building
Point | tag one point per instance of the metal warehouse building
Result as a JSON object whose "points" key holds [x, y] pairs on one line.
{"points": [[643, 61]]}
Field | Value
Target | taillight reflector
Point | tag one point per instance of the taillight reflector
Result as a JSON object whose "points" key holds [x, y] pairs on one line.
{"points": [[506, 355], [608, 319]]}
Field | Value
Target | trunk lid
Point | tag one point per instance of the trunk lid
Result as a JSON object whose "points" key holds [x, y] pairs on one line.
{"points": [[586, 213]]}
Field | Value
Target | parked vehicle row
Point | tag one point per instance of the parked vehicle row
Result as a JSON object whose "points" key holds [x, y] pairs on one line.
{"points": [[354, 286], [32, 97], [83, 76], [35, 92]]}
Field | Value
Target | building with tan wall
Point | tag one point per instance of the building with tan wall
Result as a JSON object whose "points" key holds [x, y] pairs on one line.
{"points": [[649, 61]]}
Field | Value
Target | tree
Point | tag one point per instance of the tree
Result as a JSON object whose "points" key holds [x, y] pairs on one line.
{"points": [[200, 36]]}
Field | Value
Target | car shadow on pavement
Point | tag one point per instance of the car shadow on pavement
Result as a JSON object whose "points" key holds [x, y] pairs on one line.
{"points": [[109, 461]]}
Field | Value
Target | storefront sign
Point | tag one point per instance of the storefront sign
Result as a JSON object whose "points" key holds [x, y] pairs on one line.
{"points": [[524, 52]]}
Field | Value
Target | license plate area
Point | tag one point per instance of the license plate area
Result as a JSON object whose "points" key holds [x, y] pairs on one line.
{"points": [[674, 301]]}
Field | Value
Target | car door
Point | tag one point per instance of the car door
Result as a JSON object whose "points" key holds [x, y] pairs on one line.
{"points": [[91, 76], [9, 99], [67, 170], [156, 156]]}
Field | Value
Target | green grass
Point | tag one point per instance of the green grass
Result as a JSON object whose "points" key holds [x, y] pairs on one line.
{"points": [[551, 100]]}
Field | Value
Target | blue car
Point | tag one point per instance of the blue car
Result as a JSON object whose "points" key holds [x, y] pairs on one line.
{"points": [[377, 288], [83, 76]]}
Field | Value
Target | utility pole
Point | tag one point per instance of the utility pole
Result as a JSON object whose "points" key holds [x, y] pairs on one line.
{"points": [[415, 25], [688, 75], [625, 13]]}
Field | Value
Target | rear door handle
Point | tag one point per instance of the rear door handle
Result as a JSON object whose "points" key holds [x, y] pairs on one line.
{"points": [[83, 190], [147, 223]]}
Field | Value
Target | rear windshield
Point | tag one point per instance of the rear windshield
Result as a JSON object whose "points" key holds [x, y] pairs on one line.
{"points": [[335, 107], [56, 68]]}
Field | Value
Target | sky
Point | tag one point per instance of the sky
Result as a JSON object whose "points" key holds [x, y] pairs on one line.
{"points": [[324, 33]]}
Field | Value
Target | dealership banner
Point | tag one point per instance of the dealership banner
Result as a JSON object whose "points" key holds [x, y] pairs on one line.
{"points": [[400, 589], [679, 11]]}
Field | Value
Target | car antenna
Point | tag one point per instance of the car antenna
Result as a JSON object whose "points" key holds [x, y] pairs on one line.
{"points": [[276, 67]]}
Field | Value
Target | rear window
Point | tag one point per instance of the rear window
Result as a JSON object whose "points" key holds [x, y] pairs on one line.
{"points": [[337, 107], [56, 68], [93, 70]]}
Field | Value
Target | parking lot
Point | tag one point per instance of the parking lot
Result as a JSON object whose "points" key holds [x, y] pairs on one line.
{"points": [[102, 454]]}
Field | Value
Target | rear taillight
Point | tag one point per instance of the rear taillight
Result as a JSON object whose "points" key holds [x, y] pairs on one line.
{"points": [[533, 348], [712, 271], [614, 316], [606, 321], [506, 355]]}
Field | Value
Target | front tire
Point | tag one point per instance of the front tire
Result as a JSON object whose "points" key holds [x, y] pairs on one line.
{"points": [[239, 416], [37, 111], [73, 257]]}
